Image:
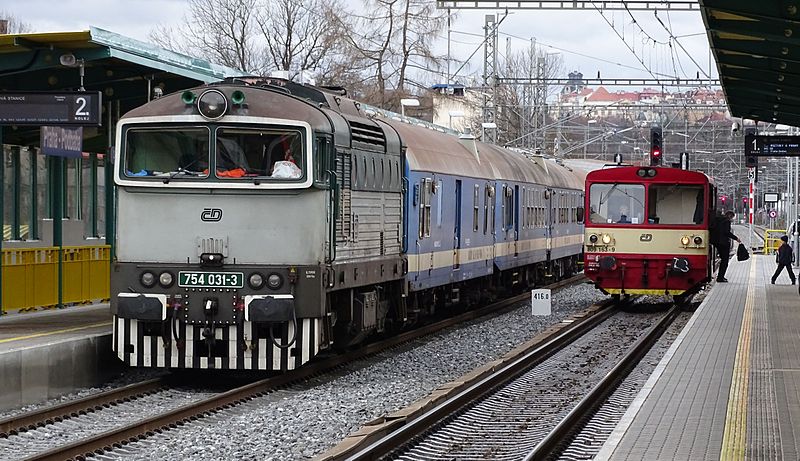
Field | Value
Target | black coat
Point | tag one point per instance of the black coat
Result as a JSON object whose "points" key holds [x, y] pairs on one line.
{"points": [[785, 254], [724, 234]]}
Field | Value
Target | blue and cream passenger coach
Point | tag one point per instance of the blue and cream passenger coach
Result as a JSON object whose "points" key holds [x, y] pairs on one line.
{"points": [[261, 221]]}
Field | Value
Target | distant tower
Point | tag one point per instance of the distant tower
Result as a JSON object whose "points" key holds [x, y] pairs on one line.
{"points": [[575, 82]]}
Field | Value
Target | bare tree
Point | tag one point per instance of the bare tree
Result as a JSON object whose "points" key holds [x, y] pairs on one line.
{"points": [[297, 33], [392, 37], [522, 108], [222, 31], [14, 25]]}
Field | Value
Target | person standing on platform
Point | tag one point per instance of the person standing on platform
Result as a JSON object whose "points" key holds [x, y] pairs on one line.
{"points": [[721, 239], [785, 258]]}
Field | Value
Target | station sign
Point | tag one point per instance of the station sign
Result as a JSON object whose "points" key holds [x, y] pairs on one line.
{"points": [[78, 108], [62, 141], [762, 145]]}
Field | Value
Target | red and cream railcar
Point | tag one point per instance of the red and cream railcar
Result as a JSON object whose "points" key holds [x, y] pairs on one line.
{"points": [[647, 230]]}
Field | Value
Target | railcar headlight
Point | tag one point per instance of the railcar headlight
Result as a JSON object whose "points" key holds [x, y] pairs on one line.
{"points": [[606, 239], [593, 238], [698, 240], [212, 104], [165, 279], [256, 281], [148, 279], [641, 172], [685, 240], [274, 281], [651, 172]]}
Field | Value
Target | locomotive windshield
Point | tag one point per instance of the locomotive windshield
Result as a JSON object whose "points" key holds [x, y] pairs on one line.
{"points": [[184, 153], [274, 154], [616, 203], [167, 153]]}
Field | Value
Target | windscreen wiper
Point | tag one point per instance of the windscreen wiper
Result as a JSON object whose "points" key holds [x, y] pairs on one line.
{"points": [[182, 170]]}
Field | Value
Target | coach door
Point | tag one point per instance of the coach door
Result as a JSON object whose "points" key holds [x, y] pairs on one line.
{"points": [[457, 229], [551, 199], [516, 221]]}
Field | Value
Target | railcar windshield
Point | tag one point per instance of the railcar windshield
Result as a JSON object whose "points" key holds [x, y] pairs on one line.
{"points": [[616, 203], [676, 204], [167, 153], [259, 153]]}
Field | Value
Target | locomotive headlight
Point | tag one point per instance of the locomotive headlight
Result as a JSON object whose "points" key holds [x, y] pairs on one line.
{"points": [[165, 279], [593, 238], [274, 281], [212, 104], [685, 240], [148, 279], [698, 240], [606, 239], [256, 281]]}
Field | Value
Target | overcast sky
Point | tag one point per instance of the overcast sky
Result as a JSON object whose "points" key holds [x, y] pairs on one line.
{"points": [[585, 39]]}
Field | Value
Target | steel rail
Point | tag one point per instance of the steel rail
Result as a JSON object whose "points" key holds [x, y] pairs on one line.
{"points": [[115, 438], [499, 377], [560, 434], [52, 414]]}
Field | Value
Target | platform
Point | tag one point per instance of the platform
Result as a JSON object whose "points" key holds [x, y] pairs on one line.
{"points": [[729, 387], [50, 353]]}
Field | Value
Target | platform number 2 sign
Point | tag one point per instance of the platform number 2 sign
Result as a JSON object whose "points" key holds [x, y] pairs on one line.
{"points": [[541, 304]]}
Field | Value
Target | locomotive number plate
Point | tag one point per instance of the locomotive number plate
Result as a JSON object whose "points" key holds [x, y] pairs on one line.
{"points": [[211, 279]]}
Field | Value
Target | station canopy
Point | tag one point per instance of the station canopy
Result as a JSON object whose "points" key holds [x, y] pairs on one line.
{"points": [[122, 68], [757, 49]]}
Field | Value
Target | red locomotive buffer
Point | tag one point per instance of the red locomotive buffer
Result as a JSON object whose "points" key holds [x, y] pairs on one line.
{"points": [[647, 230]]}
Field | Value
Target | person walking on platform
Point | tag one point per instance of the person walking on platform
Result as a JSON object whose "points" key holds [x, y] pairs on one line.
{"points": [[721, 236], [785, 258]]}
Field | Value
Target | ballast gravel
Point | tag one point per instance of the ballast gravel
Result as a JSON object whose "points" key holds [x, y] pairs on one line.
{"points": [[305, 420]]}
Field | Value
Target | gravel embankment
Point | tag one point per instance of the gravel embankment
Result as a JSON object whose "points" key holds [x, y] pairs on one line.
{"points": [[304, 421]]}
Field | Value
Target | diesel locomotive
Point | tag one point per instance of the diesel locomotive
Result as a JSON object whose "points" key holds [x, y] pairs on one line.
{"points": [[262, 221]]}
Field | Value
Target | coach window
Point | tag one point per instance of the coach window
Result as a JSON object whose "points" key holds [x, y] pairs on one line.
{"points": [[508, 207], [676, 204], [616, 203], [167, 153]]}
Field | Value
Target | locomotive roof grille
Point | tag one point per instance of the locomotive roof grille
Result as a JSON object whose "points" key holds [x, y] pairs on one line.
{"points": [[367, 134]]}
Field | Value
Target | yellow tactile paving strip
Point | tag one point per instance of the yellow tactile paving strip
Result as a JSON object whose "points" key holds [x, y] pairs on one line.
{"points": [[734, 440]]}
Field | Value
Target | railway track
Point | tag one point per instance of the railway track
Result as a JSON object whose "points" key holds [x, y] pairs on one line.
{"points": [[144, 427], [499, 416]]}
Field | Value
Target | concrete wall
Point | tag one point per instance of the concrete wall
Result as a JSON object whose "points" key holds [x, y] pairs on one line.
{"points": [[34, 374]]}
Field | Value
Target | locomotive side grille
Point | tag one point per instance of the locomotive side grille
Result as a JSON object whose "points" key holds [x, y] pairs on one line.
{"points": [[372, 135], [344, 225]]}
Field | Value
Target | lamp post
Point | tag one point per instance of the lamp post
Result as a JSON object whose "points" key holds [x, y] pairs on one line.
{"points": [[454, 113], [487, 126], [410, 102], [586, 141]]}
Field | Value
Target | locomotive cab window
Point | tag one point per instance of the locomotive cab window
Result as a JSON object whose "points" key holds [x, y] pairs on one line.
{"points": [[174, 153], [274, 154], [616, 203], [676, 204]]}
